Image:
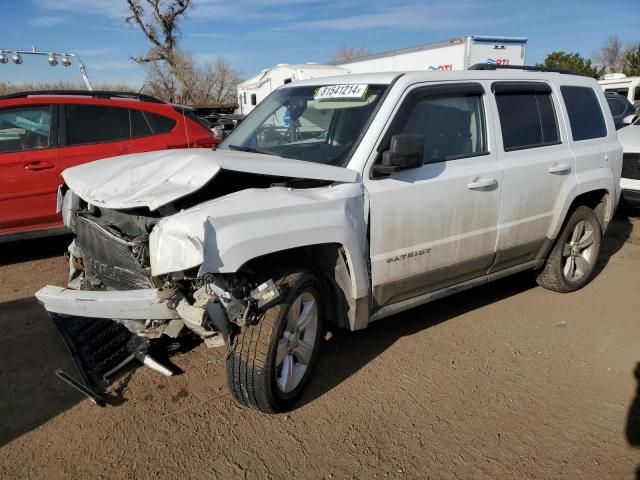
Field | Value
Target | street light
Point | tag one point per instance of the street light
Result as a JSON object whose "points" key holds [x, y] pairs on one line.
{"points": [[52, 57]]}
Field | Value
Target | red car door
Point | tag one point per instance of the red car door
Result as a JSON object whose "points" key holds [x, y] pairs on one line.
{"points": [[28, 169]]}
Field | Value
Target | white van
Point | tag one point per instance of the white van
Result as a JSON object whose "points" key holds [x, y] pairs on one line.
{"points": [[621, 84]]}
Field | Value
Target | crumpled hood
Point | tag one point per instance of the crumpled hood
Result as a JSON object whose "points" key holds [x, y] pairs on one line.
{"points": [[156, 178]]}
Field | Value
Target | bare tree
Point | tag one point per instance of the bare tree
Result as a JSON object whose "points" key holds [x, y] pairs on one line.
{"points": [[224, 82], [350, 53], [173, 74], [159, 21], [612, 55], [192, 84]]}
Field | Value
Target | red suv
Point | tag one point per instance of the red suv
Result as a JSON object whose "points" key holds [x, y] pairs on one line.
{"points": [[45, 132]]}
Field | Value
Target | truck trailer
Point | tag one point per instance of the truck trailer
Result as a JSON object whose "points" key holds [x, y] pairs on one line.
{"points": [[455, 54]]}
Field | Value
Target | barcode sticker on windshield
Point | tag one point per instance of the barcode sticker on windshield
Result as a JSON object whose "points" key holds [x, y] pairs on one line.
{"points": [[341, 91]]}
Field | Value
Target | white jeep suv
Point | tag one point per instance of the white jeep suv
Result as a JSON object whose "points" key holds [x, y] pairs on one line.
{"points": [[337, 201]]}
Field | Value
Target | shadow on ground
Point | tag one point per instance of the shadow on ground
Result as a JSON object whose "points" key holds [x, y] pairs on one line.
{"points": [[30, 351], [632, 430], [347, 352], [617, 235], [34, 249]]}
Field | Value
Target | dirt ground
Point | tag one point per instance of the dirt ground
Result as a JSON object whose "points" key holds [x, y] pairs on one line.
{"points": [[504, 381]]}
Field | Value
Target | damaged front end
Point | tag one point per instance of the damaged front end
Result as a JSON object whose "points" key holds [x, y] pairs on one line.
{"points": [[115, 311]]}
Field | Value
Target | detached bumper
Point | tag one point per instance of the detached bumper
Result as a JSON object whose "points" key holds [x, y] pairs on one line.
{"points": [[130, 304], [98, 345]]}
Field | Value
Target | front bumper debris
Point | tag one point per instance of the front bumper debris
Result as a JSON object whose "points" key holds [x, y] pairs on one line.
{"points": [[142, 304], [100, 346]]}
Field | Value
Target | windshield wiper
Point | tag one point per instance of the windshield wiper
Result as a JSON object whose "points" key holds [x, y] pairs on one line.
{"points": [[249, 150]]}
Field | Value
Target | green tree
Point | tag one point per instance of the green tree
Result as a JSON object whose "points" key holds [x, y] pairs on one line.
{"points": [[574, 62], [632, 67]]}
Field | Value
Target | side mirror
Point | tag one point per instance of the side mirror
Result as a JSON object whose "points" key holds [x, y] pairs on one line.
{"points": [[629, 119], [405, 151]]}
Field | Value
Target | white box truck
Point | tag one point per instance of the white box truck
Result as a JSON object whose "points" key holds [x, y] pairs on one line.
{"points": [[454, 54]]}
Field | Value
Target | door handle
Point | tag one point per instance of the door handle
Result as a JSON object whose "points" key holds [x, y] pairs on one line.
{"points": [[560, 169], [482, 183], [38, 166]]}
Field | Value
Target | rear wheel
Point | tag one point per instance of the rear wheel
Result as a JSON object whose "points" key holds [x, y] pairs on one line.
{"points": [[271, 362], [572, 261]]}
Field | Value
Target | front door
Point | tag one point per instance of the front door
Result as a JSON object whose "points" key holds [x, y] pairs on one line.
{"points": [[28, 169], [436, 225]]}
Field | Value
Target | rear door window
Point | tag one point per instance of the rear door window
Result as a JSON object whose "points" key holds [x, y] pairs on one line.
{"points": [[87, 124], [585, 115], [527, 116], [25, 128]]}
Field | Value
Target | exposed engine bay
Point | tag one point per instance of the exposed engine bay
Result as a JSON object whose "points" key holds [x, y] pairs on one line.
{"points": [[172, 250], [110, 253]]}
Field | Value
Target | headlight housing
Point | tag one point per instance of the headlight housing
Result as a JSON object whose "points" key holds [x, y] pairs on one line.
{"points": [[70, 204]]}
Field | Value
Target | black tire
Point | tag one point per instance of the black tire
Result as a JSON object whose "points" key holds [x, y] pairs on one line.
{"points": [[252, 375], [552, 276]]}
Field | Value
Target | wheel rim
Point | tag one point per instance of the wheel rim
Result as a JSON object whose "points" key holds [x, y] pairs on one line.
{"points": [[578, 252], [296, 344]]}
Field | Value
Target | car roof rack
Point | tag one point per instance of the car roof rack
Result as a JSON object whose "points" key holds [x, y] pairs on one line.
{"points": [[86, 93], [527, 68]]}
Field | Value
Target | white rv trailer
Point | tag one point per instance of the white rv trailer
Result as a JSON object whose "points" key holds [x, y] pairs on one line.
{"points": [[254, 90], [455, 54], [619, 83]]}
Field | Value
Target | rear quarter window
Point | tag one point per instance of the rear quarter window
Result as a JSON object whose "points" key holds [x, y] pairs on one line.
{"points": [[161, 124], [585, 115]]}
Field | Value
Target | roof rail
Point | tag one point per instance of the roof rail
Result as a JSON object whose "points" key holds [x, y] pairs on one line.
{"points": [[528, 68], [86, 93]]}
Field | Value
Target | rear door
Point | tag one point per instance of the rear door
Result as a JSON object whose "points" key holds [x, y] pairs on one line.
{"points": [[28, 169], [92, 132], [537, 168], [436, 225]]}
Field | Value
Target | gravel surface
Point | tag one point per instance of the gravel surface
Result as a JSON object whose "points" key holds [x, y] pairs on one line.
{"points": [[504, 381]]}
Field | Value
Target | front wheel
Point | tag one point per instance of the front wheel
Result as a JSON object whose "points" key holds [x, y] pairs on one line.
{"points": [[271, 362], [572, 261]]}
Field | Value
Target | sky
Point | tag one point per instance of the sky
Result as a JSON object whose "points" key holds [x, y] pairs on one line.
{"points": [[256, 34]]}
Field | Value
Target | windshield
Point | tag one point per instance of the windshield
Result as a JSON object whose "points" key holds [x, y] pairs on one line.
{"points": [[316, 124]]}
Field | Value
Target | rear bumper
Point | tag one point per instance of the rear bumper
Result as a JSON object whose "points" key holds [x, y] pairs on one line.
{"points": [[130, 304]]}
